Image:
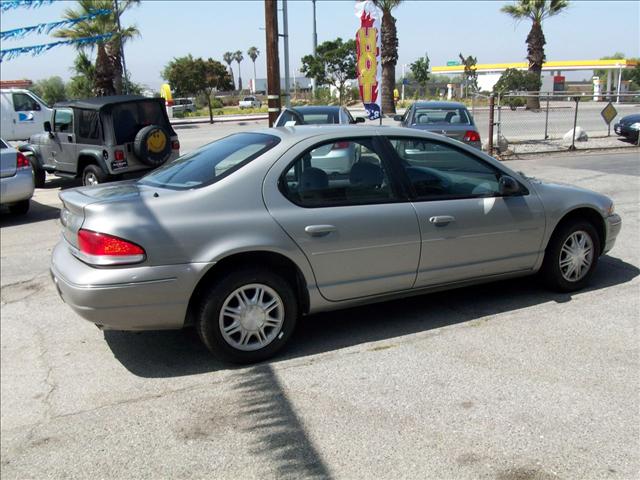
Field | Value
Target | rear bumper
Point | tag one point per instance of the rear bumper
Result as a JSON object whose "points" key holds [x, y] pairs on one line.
{"points": [[17, 188], [613, 226], [125, 298]]}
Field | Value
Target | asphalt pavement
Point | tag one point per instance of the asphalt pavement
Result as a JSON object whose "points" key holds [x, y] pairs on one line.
{"points": [[505, 381]]}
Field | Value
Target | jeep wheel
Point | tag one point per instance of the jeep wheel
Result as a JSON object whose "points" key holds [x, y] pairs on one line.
{"points": [[93, 175]]}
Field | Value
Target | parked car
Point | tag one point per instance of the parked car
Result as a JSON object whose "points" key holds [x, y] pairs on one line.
{"points": [[250, 102], [336, 158], [16, 179], [628, 127], [241, 251], [447, 118], [22, 114], [184, 105], [99, 139]]}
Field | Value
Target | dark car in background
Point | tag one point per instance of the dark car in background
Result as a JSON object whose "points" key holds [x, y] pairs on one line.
{"points": [[447, 118], [628, 127]]}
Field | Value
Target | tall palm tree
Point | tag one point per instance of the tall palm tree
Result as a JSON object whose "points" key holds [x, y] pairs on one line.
{"points": [[108, 70], [237, 56], [389, 38], [253, 53], [536, 11], [228, 59]]}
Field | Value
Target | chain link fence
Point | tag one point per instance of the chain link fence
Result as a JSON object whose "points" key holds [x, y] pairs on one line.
{"points": [[518, 129]]}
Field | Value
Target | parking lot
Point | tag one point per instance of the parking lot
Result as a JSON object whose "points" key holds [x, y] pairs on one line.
{"points": [[504, 380]]}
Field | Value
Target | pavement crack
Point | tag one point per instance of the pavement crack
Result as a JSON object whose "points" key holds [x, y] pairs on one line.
{"points": [[17, 291]]}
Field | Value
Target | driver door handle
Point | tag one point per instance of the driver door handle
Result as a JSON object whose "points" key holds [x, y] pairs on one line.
{"points": [[319, 230], [442, 219]]}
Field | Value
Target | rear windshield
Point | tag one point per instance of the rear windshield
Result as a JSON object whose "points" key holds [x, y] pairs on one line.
{"points": [[441, 116], [2, 144], [210, 163], [129, 118]]}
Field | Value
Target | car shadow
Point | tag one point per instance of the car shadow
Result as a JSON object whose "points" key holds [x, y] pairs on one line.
{"points": [[62, 183], [37, 213], [163, 354]]}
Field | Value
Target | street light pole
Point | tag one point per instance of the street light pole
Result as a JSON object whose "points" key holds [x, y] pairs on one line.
{"points": [[315, 43], [285, 35], [403, 67], [273, 60]]}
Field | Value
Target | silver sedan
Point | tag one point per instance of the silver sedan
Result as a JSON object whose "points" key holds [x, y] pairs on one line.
{"points": [[244, 235], [16, 179]]}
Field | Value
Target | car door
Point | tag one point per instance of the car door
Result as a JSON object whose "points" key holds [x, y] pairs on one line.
{"points": [[468, 229], [359, 234], [62, 145], [26, 116]]}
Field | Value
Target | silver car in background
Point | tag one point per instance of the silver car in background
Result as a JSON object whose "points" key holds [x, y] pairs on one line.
{"points": [[16, 179], [240, 252], [447, 118]]}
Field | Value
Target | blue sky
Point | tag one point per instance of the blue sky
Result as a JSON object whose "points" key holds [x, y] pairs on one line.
{"points": [[588, 30]]}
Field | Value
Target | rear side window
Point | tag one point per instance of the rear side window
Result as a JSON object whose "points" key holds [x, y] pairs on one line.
{"points": [[88, 126], [212, 162], [129, 118]]}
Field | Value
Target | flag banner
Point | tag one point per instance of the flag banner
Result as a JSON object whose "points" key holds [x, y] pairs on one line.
{"points": [[10, 4], [11, 53], [368, 57], [48, 27]]}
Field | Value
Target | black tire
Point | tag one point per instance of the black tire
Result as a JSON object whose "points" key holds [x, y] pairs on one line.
{"points": [[208, 315], [39, 177], [551, 272], [152, 145], [20, 208], [93, 175]]}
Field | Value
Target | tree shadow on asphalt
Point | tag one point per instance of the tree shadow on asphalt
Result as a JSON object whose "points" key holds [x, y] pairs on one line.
{"points": [[165, 354], [37, 213]]}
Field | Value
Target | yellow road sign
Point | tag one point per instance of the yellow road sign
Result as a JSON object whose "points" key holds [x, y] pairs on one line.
{"points": [[609, 113]]}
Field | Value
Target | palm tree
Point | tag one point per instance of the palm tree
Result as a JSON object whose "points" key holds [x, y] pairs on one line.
{"points": [[108, 70], [537, 11], [253, 53], [389, 37], [228, 59], [237, 56]]}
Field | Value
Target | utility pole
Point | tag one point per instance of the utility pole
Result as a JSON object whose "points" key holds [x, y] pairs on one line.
{"points": [[315, 43], [124, 65], [285, 35], [273, 59]]}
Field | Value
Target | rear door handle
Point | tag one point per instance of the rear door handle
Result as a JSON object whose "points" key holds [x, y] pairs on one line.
{"points": [[442, 219], [319, 230]]}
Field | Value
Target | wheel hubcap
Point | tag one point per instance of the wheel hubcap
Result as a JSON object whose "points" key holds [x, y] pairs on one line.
{"points": [[91, 179], [576, 256], [251, 317]]}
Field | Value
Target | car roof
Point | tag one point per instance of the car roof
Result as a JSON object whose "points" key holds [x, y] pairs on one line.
{"points": [[437, 105], [99, 102]]}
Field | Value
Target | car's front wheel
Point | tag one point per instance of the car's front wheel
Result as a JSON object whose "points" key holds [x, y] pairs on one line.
{"points": [[571, 256], [247, 315]]}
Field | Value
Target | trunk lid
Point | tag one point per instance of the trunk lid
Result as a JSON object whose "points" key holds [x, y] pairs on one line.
{"points": [[8, 162]]}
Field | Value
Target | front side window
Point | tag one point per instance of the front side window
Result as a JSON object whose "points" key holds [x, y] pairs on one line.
{"points": [[343, 172], [24, 103], [63, 120], [210, 163], [438, 171]]}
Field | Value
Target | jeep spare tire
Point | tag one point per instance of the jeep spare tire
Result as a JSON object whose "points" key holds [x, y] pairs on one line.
{"points": [[152, 145]]}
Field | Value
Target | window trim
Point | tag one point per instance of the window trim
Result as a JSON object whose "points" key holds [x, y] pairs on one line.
{"points": [[410, 189], [398, 190]]}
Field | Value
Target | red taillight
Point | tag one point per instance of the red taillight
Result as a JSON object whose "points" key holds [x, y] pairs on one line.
{"points": [[471, 136], [118, 155], [104, 249], [340, 145], [175, 145], [22, 161]]}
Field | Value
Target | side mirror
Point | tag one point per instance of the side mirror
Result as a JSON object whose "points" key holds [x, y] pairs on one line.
{"points": [[508, 186], [397, 118], [359, 119], [47, 126], [36, 106]]}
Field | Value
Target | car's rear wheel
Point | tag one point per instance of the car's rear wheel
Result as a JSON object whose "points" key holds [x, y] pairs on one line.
{"points": [[571, 256], [247, 316], [20, 208], [93, 175]]}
